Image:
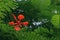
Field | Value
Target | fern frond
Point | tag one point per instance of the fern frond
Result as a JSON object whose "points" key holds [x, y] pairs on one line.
{"points": [[5, 6]]}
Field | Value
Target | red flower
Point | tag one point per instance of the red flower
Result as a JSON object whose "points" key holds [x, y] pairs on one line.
{"points": [[25, 23], [17, 28], [18, 22], [11, 23], [21, 17]]}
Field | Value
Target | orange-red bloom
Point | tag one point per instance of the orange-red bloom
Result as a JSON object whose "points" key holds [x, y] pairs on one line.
{"points": [[18, 22], [17, 28], [25, 23], [21, 17], [11, 23]]}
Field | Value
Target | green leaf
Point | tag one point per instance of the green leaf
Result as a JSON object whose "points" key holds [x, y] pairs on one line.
{"points": [[56, 21]]}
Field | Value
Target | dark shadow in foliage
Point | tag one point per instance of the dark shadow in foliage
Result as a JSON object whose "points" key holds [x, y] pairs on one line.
{"points": [[7, 36], [7, 17], [48, 25]]}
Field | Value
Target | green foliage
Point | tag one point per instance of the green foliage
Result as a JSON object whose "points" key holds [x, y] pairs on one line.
{"points": [[4, 6], [41, 4], [5, 33], [33, 9], [55, 21], [56, 2], [9, 32], [40, 33]]}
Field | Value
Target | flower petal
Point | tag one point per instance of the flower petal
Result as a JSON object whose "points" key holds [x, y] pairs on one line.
{"points": [[20, 17], [11, 23], [25, 23], [17, 28]]}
